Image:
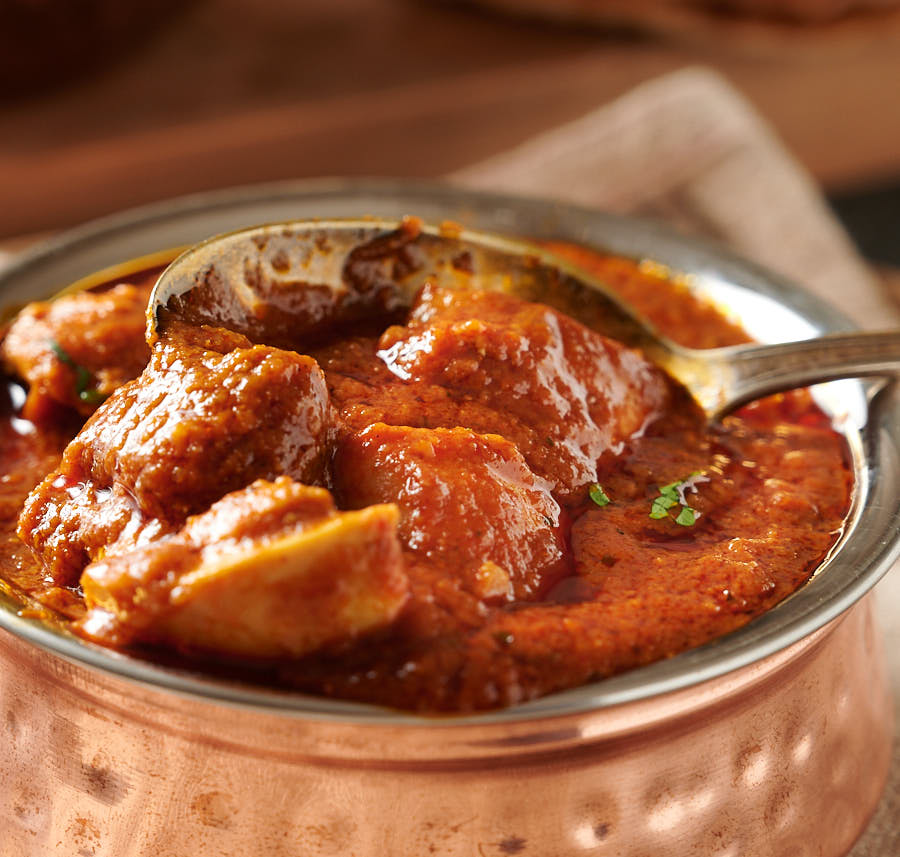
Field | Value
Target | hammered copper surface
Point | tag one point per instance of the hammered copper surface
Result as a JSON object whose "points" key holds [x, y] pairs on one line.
{"points": [[785, 757]]}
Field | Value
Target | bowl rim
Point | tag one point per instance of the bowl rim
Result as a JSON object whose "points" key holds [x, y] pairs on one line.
{"points": [[863, 554]]}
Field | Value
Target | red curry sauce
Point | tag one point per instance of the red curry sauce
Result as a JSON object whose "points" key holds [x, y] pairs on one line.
{"points": [[526, 558]]}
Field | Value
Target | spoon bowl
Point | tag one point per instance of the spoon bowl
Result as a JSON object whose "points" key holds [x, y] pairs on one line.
{"points": [[280, 282]]}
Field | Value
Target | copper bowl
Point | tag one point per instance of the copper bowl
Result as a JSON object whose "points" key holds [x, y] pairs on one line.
{"points": [[772, 740]]}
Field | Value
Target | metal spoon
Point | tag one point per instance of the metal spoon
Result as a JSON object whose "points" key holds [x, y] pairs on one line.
{"points": [[281, 283]]}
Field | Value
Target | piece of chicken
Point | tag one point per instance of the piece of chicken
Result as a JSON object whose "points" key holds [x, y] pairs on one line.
{"points": [[209, 415], [272, 570], [467, 501], [76, 350], [565, 395]]}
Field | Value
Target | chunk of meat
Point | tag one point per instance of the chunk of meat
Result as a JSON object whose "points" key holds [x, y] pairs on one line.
{"points": [[197, 424], [70, 519], [467, 501], [272, 570], [564, 394], [76, 350]]}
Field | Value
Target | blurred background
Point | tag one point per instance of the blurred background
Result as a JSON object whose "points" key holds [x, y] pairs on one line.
{"points": [[106, 105]]}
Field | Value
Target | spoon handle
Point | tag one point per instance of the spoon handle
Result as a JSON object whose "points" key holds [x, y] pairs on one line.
{"points": [[750, 372]]}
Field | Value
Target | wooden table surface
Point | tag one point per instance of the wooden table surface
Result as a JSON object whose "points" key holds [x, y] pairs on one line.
{"points": [[231, 93]]}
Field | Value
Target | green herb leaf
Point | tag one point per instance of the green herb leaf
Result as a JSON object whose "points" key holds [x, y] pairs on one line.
{"points": [[673, 494], [661, 505], [84, 379], [62, 354], [598, 495], [670, 490], [687, 517]]}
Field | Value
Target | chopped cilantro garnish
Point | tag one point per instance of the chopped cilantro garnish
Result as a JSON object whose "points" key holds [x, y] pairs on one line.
{"points": [[673, 494], [661, 505], [687, 516], [83, 377], [61, 353], [598, 495]]}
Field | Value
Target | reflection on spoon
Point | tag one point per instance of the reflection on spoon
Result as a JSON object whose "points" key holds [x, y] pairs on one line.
{"points": [[285, 283]]}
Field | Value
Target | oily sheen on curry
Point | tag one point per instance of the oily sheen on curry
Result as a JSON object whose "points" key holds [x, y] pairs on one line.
{"points": [[453, 506]]}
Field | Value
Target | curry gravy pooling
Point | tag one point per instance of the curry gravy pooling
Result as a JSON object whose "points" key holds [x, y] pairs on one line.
{"points": [[528, 505]]}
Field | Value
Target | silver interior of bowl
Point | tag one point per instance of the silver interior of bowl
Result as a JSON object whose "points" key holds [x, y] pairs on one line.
{"points": [[769, 307]]}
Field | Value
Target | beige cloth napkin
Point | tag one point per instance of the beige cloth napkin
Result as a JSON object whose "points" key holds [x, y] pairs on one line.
{"points": [[690, 149]]}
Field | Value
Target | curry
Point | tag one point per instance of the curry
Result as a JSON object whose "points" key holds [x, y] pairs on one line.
{"points": [[453, 506]]}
